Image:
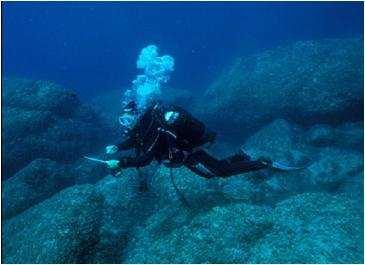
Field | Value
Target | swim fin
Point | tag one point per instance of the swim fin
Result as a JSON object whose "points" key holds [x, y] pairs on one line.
{"points": [[283, 167]]}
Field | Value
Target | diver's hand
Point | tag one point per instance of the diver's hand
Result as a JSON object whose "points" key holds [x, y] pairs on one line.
{"points": [[111, 149], [112, 164]]}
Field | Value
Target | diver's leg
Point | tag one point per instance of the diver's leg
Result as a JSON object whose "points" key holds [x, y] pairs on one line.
{"points": [[199, 172], [240, 156], [212, 164], [226, 167]]}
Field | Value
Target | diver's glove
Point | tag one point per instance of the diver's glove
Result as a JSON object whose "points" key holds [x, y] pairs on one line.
{"points": [[111, 149], [112, 164]]}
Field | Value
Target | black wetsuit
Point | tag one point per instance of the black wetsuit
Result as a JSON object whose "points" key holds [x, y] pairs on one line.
{"points": [[177, 144]]}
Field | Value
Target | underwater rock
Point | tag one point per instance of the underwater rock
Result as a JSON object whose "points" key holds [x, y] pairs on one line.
{"points": [[120, 210], [39, 95], [245, 188], [191, 190], [295, 232], [308, 82], [159, 225], [278, 140], [36, 182], [88, 172], [312, 228], [24, 122], [109, 107], [334, 168], [68, 140], [347, 135], [327, 169], [350, 135], [42, 120], [321, 135], [124, 207], [61, 229], [222, 234], [181, 97]]}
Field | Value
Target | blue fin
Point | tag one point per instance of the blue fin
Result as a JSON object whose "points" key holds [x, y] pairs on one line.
{"points": [[281, 166]]}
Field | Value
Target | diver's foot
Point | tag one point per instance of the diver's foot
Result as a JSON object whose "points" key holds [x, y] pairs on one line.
{"points": [[243, 155]]}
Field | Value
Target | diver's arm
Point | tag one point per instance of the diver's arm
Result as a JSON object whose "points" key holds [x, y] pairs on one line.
{"points": [[233, 165], [139, 161], [129, 143], [125, 145]]}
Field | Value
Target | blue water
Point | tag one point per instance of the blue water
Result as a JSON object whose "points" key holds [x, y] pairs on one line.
{"points": [[93, 45]]}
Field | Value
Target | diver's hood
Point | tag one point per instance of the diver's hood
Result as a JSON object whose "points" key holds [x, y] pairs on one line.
{"points": [[130, 107], [128, 121]]}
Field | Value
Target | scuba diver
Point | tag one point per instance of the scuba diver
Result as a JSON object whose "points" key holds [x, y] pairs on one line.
{"points": [[172, 136]]}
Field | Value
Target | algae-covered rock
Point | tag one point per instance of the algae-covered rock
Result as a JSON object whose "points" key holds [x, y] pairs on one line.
{"points": [[321, 135], [88, 172], [121, 208], [61, 229], [349, 135], [220, 235], [190, 189], [307, 228], [324, 168], [278, 140], [312, 228], [43, 120], [333, 168], [24, 122], [39, 95], [307, 81], [36, 182]]}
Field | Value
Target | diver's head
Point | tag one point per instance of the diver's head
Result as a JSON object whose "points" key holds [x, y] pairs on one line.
{"points": [[129, 116], [130, 107]]}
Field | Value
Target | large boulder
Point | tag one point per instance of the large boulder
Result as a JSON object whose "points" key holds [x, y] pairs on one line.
{"points": [[307, 81], [334, 168], [182, 97], [61, 229], [40, 96], [278, 140], [24, 122], [88, 172], [123, 207], [36, 182], [306, 228], [109, 106], [328, 169], [347, 135], [181, 186], [43, 120], [222, 234], [312, 228]]}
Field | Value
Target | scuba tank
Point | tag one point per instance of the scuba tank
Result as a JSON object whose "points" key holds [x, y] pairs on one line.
{"points": [[190, 131]]}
